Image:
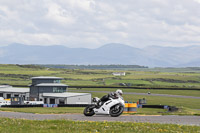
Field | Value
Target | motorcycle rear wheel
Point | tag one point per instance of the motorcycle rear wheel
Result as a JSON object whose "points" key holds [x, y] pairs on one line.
{"points": [[115, 112], [88, 111]]}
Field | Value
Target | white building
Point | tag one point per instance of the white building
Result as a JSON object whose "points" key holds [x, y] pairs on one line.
{"points": [[7, 92], [119, 73], [67, 98]]}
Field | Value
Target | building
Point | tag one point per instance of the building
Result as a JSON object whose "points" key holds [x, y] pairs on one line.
{"points": [[42, 85], [119, 73], [7, 92], [48, 90], [52, 91]]}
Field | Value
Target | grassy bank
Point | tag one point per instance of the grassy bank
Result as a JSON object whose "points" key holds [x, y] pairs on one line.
{"points": [[50, 126]]}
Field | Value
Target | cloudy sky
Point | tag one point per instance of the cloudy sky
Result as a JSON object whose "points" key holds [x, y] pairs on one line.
{"points": [[93, 23]]}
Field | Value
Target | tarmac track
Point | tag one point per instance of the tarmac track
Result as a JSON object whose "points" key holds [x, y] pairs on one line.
{"points": [[166, 119], [145, 94]]}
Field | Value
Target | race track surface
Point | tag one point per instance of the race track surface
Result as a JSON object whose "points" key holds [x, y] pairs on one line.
{"points": [[145, 94], [167, 119]]}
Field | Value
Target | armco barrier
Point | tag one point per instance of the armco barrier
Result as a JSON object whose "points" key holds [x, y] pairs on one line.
{"points": [[170, 108], [153, 106]]}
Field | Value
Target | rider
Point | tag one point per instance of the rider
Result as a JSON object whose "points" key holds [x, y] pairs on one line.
{"points": [[118, 93]]}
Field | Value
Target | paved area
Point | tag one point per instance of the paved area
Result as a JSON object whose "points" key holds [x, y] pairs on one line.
{"points": [[164, 95], [168, 119]]}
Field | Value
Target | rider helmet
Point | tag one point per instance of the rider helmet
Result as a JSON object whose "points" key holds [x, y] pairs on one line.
{"points": [[119, 92]]}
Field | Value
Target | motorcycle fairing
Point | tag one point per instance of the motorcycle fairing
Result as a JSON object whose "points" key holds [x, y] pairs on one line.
{"points": [[105, 108]]}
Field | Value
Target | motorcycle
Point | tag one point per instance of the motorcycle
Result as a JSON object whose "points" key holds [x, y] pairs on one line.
{"points": [[113, 107]]}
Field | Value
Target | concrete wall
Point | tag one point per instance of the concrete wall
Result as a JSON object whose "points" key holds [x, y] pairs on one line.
{"points": [[84, 99]]}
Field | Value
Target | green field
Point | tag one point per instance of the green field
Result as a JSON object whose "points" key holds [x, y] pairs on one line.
{"points": [[148, 78], [58, 126]]}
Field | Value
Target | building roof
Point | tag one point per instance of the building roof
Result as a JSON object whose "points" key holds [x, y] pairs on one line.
{"points": [[4, 86], [14, 89], [51, 84], [66, 94], [45, 77]]}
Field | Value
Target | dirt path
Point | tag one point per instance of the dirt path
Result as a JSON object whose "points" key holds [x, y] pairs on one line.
{"points": [[168, 119]]}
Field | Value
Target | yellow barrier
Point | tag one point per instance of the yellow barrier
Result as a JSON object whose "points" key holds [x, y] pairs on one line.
{"points": [[126, 108]]}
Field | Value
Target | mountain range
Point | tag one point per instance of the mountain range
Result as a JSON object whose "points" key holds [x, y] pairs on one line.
{"points": [[151, 56]]}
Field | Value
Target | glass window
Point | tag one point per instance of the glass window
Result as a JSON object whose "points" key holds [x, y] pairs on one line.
{"points": [[56, 81], [8, 96], [58, 90], [55, 89]]}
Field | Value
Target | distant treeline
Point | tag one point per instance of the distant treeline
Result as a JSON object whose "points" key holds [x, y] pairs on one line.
{"points": [[94, 66]]}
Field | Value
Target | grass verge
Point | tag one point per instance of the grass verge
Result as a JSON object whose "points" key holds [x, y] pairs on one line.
{"points": [[64, 110], [41, 110], [52, 126]]}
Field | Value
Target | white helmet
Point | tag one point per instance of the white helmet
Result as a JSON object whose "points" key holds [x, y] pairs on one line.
{"points": [[119, 92]]}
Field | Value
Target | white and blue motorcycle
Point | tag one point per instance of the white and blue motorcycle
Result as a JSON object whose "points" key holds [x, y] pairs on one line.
{"points": [[112, 107]]}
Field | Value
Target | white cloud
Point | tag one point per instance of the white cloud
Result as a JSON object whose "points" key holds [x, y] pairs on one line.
{"points": [[197, 1], [92, 23], [58, 14]]}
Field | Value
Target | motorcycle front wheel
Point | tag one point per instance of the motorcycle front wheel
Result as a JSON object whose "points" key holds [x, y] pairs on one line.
{"points": [[116, 110], [88, 111]]}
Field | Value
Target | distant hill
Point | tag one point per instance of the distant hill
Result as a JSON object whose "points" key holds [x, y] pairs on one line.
{"points": [[152, 56], [112, 67]]}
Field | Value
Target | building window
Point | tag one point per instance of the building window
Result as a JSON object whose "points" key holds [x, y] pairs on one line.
{"points": [[58, 90], [8, 95], [56, 81], [1, 94], [16, 95]]}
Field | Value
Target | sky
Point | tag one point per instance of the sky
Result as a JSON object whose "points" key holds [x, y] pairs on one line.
{"points": [[94, 23]]}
